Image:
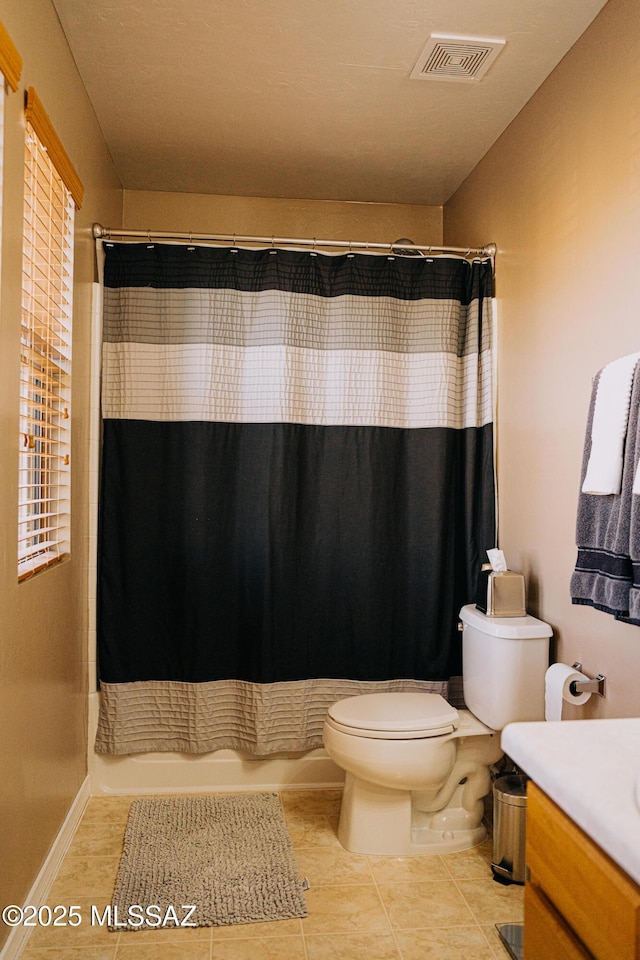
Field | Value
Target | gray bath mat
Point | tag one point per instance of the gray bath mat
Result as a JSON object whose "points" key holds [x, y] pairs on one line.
{"points": [[229, 856]]}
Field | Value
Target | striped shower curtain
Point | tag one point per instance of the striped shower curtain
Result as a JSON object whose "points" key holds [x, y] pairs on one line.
{"points": [[297, 487]]}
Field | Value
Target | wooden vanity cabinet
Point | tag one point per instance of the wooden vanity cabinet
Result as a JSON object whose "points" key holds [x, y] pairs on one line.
{"points": [[578, 904]]}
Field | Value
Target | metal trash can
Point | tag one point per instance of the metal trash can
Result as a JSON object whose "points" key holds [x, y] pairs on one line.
{"points": [[509, 828]]}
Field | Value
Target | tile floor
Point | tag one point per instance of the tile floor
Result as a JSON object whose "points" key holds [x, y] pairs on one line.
{"points": [[360, 907]]}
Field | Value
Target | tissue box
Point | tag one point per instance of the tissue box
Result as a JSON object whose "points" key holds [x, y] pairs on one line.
{"points": [[501, 594]]}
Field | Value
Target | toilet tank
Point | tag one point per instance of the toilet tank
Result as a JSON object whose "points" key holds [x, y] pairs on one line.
{"points": [[504, 661]]}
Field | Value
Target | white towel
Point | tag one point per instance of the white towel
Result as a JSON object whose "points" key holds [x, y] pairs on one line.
{"points": [[610, 418], [636, 480]]}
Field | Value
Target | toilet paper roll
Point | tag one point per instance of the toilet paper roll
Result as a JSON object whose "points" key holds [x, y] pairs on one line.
{"points": [[557, 689]]}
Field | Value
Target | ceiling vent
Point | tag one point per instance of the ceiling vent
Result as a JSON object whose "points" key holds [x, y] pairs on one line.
{"points": [[458, 59]]}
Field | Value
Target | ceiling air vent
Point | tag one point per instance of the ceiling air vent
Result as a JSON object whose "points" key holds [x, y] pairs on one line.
{"points": [[458, 59]]}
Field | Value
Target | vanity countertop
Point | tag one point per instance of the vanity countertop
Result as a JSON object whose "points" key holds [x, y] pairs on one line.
{"points": [[591, 769]]}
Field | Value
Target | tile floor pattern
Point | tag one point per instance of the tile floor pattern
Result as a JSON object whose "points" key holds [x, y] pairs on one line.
{"points": [[360, 907]]}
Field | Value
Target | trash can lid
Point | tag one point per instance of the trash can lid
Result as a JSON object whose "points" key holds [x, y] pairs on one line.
{"points": [[512, 789]]}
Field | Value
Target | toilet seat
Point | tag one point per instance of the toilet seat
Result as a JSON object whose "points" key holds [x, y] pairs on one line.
{"points": [[394, 716]]}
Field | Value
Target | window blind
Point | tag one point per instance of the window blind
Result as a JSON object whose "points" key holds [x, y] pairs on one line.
{"points": [[37, 117], [45, 363]]}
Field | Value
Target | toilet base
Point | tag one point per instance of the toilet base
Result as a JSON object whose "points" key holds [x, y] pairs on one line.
{"points": [[379, 821], [425, 840]]}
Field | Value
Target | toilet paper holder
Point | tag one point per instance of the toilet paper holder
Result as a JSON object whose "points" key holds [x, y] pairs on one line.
{"points": [[597, 685]]}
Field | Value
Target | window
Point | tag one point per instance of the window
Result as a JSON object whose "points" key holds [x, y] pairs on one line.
{"points": [[45, 348], [10, 71]]}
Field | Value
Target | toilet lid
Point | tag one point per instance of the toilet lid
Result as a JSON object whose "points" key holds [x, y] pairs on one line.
{"points": [[408, 714]]}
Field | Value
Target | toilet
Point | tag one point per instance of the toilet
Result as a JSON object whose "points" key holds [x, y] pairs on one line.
{"points": [[416, 768]]}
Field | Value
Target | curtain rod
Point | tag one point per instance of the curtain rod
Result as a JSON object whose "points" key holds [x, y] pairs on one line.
{"points": [[107, 233]]}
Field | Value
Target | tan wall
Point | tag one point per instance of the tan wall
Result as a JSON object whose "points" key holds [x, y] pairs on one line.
{"points": [[560, 195], [297, 219], [43, 704]]}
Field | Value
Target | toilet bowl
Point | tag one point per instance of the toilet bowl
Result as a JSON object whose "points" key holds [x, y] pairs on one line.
{"points": [[416, 768], [413, 795]]}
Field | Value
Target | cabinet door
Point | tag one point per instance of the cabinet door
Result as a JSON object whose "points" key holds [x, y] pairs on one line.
{"points": [[588, 890], [546, 935]]}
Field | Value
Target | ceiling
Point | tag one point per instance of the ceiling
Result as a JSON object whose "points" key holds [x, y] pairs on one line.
{"points": [[308, 99]]}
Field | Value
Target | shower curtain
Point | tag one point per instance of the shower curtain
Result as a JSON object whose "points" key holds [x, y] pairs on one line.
{"points": [[297, 487]]}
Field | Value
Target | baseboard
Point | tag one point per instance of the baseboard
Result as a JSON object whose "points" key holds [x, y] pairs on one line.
{"points": [[40, 890]]}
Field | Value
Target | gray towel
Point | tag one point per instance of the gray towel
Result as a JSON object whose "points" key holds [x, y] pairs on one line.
{"points": [[632, 457], [604, 572]]}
